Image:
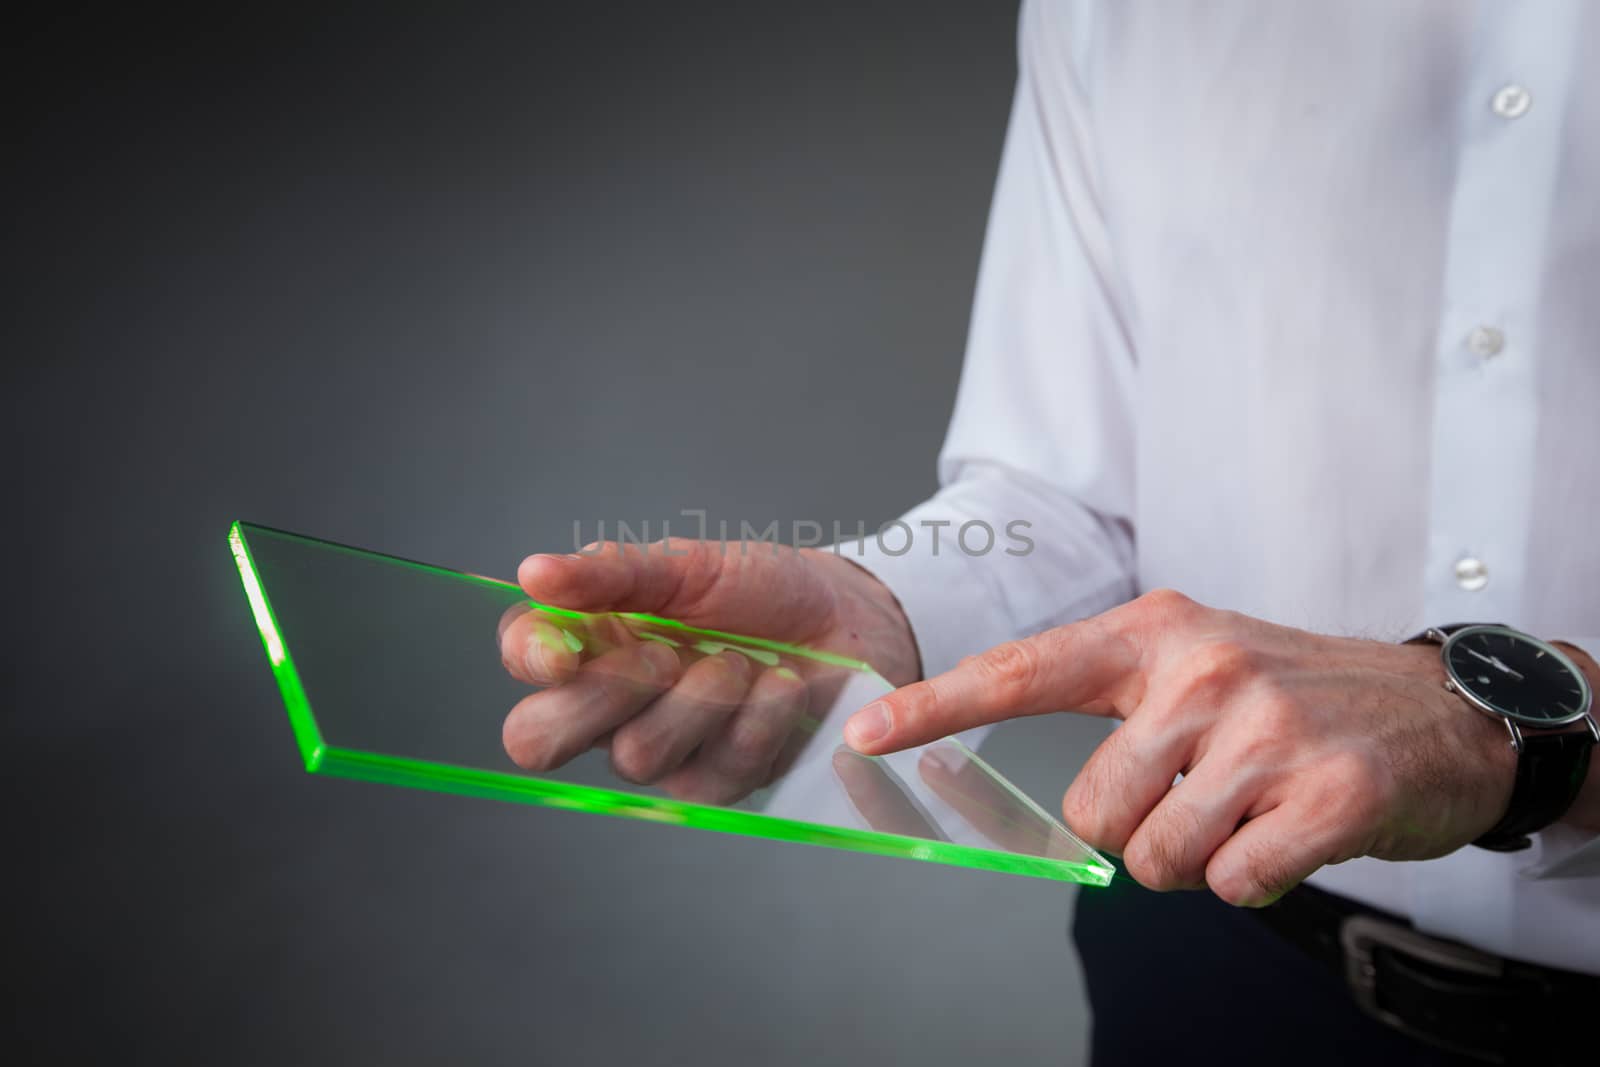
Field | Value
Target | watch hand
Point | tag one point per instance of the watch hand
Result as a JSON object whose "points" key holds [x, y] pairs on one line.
{"points": [[1515, 674], [1494, 661]]}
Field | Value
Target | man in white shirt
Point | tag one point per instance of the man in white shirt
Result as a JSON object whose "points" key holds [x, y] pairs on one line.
{"points": [[1292, 308]]}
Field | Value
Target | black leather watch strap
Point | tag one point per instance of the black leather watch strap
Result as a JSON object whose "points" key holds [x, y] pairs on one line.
{"points": [[1550, 773]]}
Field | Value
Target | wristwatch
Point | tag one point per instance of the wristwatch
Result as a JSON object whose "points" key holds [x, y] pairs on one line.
{"points": [[1545, 702]]}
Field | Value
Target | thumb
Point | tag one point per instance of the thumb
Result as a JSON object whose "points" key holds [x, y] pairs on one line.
{"points": [[618, 576], [742, 587]]}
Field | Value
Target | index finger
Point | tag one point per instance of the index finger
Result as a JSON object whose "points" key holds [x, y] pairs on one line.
{"points": [[1080, 667]]}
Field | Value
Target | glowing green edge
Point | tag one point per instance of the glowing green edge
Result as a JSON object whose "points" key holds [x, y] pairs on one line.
{"points": [[312, 748], [494, 785]]}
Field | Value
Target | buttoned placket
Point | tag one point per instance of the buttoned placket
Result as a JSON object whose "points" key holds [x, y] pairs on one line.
{"points": [[1485, 419]]}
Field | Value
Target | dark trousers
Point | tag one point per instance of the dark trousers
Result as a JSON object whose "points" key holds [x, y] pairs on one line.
{"points": [[1182, 978]]}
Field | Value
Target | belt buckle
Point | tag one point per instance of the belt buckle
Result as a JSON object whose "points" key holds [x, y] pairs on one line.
{"points": [[1360, 935]]}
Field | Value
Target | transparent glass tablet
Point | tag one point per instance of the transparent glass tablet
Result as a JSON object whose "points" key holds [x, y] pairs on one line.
{"points": [[413, 675]]}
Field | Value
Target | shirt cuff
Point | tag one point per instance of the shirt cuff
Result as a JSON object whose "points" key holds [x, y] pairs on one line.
{"points": [[954, 608]]}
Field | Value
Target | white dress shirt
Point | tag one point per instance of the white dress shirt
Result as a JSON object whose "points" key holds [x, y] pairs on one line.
{"points": [[1294, 307]]}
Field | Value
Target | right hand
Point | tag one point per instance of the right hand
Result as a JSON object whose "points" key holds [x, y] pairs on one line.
{"points": [[709, 729]]}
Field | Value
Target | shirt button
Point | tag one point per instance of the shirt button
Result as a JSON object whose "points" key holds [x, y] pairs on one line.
{"points": [[1512, 102], [1471, 574], [1485, 341]]}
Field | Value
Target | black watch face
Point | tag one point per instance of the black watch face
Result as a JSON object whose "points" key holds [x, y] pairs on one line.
{"points": [[1516, 675]]}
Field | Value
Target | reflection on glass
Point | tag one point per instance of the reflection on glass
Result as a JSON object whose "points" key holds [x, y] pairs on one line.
{"points": [[399, 672]]}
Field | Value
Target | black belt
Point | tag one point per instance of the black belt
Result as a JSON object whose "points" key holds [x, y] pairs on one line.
{"points": [[1443, 993]]}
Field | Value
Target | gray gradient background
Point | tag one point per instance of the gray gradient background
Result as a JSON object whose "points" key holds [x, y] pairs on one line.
{"points": [[440, 284]]}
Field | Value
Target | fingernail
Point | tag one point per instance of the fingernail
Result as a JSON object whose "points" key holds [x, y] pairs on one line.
{"points": [[533, 657], [540, 651], [660, 639], [869, 724], [658, 660]]}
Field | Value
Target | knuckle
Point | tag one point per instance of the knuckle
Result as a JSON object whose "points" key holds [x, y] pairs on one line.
{"points": [[1012, 667], [624, 678], [748, 750], [1166, 605], [637, 758], [1141, 868], [1268, 879], [1149, 865], [704, 564], [1158, 854], [1096, 805], [1276, 719], [1168, 715], [687, 547], [913, 708], [1258, 750], [1080, 811], [1085, 809], [1230, 886], [1075, 810], [1252, 881], [1165, 597], [1221, 664]]}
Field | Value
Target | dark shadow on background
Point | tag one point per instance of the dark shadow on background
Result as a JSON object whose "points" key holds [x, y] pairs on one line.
{"points": [[440, 282]]}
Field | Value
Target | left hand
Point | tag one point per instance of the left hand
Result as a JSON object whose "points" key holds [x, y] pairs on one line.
{"points": [[1297, 750], [708, 727]]}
